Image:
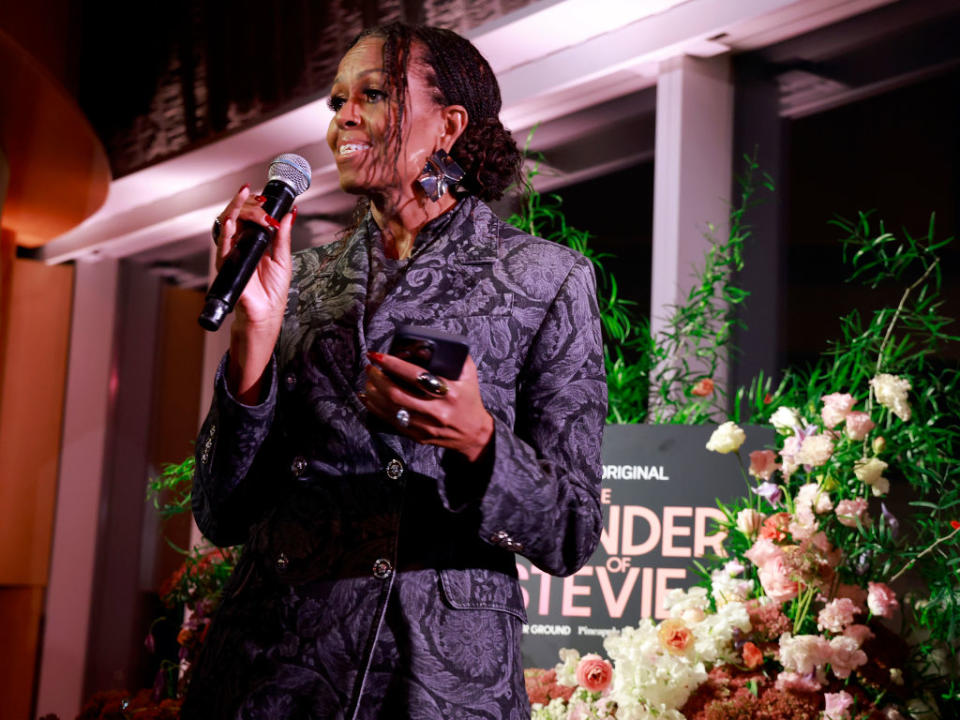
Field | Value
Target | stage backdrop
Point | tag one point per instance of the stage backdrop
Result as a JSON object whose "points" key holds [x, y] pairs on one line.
{"points": [[660, 487]]}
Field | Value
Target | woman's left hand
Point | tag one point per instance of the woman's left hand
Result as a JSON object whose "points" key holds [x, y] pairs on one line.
{"points": [[456, 420]]}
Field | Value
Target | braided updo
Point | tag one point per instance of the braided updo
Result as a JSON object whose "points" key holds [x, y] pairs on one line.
{"points": [[459, 75]]}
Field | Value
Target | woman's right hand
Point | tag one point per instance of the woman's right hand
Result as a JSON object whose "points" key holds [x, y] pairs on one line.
{"points": [[260, 308]]}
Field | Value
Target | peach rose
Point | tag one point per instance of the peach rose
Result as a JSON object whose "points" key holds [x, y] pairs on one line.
{"points": [[702, 388], [675, 636], [594, 673], [752, 657], [775, 527]]}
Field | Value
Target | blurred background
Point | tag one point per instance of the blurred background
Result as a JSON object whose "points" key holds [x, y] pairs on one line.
{"points": [[124, 129]]}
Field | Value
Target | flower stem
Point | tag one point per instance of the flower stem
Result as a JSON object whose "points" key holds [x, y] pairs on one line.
{"points": [[931, 547]]}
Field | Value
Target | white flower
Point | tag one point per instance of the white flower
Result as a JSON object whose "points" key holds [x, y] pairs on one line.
{"points": [[815, 450], [870, 472], [786, 420], [891, 392], [726, 438], [567, 667]]}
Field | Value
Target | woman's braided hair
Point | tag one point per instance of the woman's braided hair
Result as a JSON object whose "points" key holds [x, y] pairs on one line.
{"points": [[460, 75]]}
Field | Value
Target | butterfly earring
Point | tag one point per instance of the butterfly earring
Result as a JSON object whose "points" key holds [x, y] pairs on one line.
{"points": [[439, 175]]}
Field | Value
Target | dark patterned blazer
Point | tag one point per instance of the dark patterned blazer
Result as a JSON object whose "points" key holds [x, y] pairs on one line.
{"points": [[379, 577]]}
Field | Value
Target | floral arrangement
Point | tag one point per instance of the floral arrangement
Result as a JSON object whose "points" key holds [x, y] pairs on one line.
{"points": [[192, 592], [839, 593]]}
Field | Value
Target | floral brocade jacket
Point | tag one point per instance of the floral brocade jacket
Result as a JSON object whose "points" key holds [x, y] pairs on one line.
{"points": [[340, 515]]}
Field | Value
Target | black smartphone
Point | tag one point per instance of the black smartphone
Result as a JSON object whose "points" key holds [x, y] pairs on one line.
{"points": [[440, 353]]}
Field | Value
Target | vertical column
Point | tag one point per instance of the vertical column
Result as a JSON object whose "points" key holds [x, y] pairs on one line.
{"points": [[758, 128], [82, 463], [692, 173]]}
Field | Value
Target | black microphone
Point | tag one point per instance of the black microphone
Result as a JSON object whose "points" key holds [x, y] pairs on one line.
{"points": [[288, 176]]}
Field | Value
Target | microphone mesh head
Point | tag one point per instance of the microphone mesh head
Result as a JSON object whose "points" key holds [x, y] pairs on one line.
{"points": [[292, 170]]}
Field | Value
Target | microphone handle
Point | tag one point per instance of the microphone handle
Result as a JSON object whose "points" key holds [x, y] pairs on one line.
{"points": [[240, 264]]}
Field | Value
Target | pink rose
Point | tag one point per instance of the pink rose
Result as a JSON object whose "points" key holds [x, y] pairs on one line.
{"points": [[763, 463], [881, 600], [837, 705], [762, 551], [835, 408], [860, 633], [594, 673], [836, 615], [858, 425], [777, 579], [850, 511]]}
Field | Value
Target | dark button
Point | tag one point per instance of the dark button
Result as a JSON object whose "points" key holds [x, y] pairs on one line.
{"points": [[282, 562], [382, 569], [394, 469], [298, 465], [291, 380]]}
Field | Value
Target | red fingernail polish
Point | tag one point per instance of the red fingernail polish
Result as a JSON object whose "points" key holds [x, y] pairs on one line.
{"points": [[243, 187], [271, 221], [259, 198], [294, 213], [375, 356]]}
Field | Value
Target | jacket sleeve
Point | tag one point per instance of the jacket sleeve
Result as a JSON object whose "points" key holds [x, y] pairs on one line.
{"points": [[543, 495], [228, 490]]}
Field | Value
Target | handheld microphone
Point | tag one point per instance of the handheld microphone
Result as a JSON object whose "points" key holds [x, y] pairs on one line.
{"points": [[288, 176]]}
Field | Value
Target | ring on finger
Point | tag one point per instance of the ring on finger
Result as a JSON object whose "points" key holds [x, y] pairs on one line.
{"points": [[402, 417], [432, 384]]}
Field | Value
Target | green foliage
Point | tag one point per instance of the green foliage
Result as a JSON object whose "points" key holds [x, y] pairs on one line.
{"points": [[169, 492], [651, 379]]}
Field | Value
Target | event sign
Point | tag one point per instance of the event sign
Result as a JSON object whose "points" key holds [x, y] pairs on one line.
{"points": [[659, 500]]}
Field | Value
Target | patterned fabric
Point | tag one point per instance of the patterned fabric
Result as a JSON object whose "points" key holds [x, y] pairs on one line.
{"points": [[379, 578]]}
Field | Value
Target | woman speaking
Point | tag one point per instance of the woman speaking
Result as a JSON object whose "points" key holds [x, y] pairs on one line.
{"points": [[381, 505]]}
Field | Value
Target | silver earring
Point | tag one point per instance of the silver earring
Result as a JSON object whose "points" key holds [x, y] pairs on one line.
{"points": [[439, 175]]}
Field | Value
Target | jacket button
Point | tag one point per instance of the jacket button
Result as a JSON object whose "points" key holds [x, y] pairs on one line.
{"points": [[394, 469], [382, 569], [298, 465], [282, 562], [500, 538], [290, 379]]}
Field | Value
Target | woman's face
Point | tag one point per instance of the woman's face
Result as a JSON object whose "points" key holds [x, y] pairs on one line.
{"points": [[360, 133]]}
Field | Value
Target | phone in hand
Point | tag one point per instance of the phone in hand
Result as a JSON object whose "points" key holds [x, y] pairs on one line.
{"points": [[438, 352]]}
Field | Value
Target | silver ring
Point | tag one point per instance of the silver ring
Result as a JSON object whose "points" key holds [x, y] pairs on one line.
{"points": [[402, 417], [432, 384]]}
